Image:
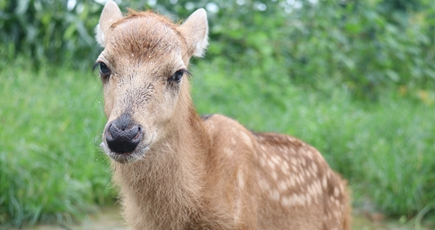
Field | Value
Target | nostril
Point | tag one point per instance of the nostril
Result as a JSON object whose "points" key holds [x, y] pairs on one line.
{"points": [[138, 134], [108, 132]]}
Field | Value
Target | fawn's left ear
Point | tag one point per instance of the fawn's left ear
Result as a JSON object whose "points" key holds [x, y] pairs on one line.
{"points": [[111, 14], [195, 29]]}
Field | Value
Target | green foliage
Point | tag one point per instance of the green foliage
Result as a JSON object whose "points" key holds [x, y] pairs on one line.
{"points": [[49, 31], [363, 46], [50, 166], [357, 45]]}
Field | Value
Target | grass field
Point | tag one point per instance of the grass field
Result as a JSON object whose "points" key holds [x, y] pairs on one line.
{"points": [[51, 169]]}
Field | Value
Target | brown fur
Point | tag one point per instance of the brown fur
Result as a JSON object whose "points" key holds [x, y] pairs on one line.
{"points": [[204, 173]]}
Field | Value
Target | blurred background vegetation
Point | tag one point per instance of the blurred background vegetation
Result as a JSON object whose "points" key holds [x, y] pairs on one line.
{"points": [[353, 78]]}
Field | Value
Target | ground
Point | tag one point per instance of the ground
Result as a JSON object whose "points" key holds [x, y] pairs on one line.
{"points": [[109, 219]]}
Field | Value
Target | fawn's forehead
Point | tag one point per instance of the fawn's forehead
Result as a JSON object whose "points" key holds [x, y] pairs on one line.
{"points": [[144, 36]]}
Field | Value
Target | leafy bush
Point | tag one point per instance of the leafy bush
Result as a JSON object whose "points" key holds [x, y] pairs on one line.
{"points": [[49, 31], [363, 46]]}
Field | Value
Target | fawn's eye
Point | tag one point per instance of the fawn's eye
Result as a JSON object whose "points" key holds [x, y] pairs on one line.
{"points": [[176, 77], [103, 69]]}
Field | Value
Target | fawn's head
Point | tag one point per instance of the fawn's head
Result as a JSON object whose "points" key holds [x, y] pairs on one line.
{"points": [[143, 69]]}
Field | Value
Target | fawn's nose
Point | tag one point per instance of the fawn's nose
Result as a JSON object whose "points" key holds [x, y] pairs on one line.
{"points": [[121, 136]]}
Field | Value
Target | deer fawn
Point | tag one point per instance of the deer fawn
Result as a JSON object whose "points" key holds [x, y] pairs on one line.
{"points": [[177, 170]]}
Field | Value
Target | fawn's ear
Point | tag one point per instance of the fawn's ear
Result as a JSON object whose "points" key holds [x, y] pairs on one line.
{"points": [[111, 14], [195, 30]]}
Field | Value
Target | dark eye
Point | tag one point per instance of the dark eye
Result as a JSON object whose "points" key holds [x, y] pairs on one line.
{"points": [[104, 70], [176, 77]]}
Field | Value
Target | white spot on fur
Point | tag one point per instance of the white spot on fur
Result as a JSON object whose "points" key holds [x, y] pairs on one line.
{"points": [[228, 151], [298, 199], [286, 155], [240, 179], [337, 203], [275, 160], [271, 164], [283, 186], [319, 188], [263, 148], [274, 175], [297, 179], [285, 169], [262, 162], [241, 184], [309, 154], [287, 201], [274, 195], [310, 190], [294, 169], [308, 199], [331, 198], [301, 178], [246, 139], [324, 182], [307, 173], [285, 164], [336, 192], [263, 184], [291, 181]]}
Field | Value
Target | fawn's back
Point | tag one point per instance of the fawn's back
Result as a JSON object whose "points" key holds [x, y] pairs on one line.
{"points": [[274, 181]]}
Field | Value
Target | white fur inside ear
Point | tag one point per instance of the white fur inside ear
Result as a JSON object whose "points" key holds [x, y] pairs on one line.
{"points": [[110, 14], [195, 29], [99, 35], [201, 46]]}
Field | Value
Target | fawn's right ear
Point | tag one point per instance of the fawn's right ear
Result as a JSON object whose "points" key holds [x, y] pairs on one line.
{"points": [[111, 14], [195, 30]]}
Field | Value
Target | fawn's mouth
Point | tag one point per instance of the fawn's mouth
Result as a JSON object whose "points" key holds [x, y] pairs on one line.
{"points": [[128, 157]]}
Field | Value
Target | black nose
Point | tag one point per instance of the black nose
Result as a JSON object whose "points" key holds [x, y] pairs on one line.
{"points": [[122, 136]]}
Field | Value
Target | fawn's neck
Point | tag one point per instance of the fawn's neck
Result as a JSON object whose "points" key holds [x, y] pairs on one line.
{"points": [[169, 181]]}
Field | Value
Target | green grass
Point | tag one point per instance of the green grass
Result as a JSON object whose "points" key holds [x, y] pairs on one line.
{"points": [[50, 167], [51, 121]]}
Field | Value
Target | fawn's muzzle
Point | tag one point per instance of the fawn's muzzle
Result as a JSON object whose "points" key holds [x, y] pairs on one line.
{"points": [[122, 136]]}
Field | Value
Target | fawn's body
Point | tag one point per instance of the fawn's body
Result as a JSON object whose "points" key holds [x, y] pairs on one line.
{"points": [[179, 171]]}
